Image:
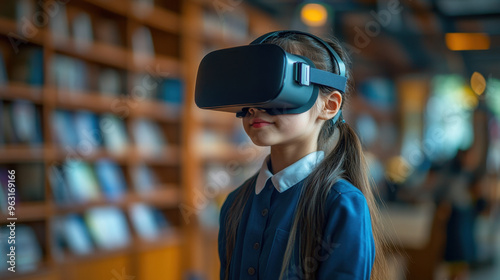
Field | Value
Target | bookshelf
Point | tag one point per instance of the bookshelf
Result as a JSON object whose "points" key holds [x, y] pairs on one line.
{"points": [[67, 79], [75, 69], [217, 143]]}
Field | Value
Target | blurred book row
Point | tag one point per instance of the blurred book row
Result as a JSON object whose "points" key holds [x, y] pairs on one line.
{"points": [[72, 74], [97, 229], [83, 130], [81, 182]]}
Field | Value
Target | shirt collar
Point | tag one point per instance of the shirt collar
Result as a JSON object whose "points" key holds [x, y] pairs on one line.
{"points": [[289, 176]]}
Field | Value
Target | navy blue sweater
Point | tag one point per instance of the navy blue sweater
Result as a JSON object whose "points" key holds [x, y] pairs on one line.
{"points": [[347, 249]]}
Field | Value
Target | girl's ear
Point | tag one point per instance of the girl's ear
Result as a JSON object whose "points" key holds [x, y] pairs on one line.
{"points": [[331, 105]]}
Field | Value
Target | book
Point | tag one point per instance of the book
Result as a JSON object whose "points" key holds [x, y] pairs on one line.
{"points": [[111, 179], [108, 227], [8, 134], [28, 66], [4, 183], [147, 221], [26, 122], [27, 243], [82, 32], [30, 181], [3, 198], [81, 181], [60, 191], [143, 178], [148, 137], [142, 8], [2, 129], [108, 32], [115, 134], [110, 82], [88, 133], [58, 25], [171, 91], [142, 45], [76, 235], [3, 71], [69, 73], [63, 129]]}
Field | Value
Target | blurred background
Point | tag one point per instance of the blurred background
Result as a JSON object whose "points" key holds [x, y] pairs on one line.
{"points": [[116, 174]]}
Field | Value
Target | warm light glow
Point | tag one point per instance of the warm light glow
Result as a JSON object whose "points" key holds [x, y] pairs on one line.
{"points": [[477, 83], [398, 169], [467, 41], [469, 98], [314, 14]]}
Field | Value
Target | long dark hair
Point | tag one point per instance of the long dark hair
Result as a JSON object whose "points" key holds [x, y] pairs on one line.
{"points": [[343, 159]]}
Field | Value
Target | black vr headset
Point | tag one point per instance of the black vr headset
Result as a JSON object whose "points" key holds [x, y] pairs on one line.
{"points": [[264, 76]]}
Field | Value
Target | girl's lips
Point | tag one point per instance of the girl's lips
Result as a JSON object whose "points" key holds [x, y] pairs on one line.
{"points": [[257, 123], [260, 124]]}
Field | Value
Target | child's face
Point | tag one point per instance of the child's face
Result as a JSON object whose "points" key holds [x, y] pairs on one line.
{"points": [[270, 130]]}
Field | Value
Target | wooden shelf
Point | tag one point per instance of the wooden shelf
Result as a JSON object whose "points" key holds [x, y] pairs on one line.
{"points": [[94, 51], [169, 156], [216, 118], [16, 90], [157, 110], [27, 211], [169, 237], [9, 28], [168, 196], [223, 152], [44, 271], [115, 6], [96, 102], [155, 17], [158, 65], [60, 155], [23, 153]]}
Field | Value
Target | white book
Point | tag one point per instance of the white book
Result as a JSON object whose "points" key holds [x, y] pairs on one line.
{"points": [[148, 137], [114, 134], [108, 227], [82, 32]]}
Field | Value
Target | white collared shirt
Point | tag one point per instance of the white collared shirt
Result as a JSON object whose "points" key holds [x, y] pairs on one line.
{"points": [[289, 176]]}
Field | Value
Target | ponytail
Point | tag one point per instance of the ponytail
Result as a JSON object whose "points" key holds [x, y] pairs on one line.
{"points": [[346, 161]]}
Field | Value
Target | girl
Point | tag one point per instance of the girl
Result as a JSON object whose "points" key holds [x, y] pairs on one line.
{"points": [[309, 213]]}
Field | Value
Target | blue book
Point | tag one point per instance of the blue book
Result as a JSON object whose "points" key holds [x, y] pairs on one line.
{"points": [[171, 91], [76, 235], [28, 254], [58, 185], [111, 179], [144, 180], [26, 122], [35, 76], [148, 222], [87, 130], [64, 129], [2, 131], [3, 71], [28, 66]]}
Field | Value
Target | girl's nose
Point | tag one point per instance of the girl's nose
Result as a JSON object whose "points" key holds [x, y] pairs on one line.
{"points": [[253, 110]]}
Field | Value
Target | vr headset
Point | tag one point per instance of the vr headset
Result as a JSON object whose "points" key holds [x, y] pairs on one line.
{"points": [[264, 76]]}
